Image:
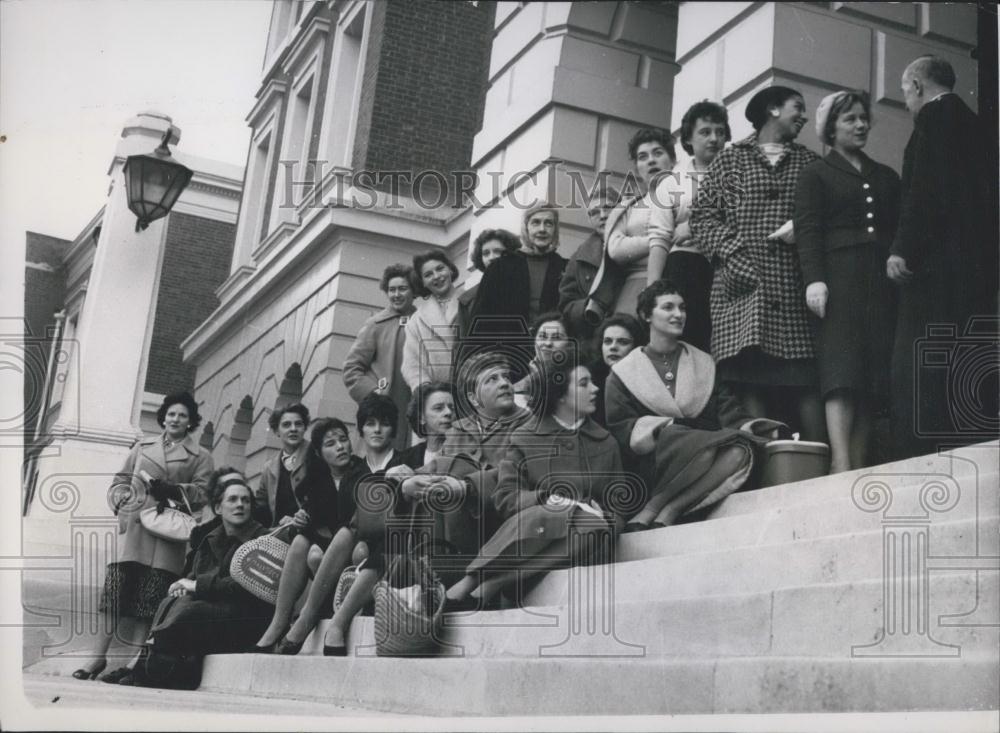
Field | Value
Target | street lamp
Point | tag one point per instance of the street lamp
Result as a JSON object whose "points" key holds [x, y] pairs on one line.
{"points": [[153, 183]]}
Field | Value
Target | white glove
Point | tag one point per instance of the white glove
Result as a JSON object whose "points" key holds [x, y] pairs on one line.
{"points": [[816, 296]]}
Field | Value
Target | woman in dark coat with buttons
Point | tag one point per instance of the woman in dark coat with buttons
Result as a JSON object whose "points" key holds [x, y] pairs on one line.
{"points": [[846, 208]]}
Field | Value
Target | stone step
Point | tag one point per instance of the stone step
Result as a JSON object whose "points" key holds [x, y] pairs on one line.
{"points": [[825, 620], [814, 515], [974, 468], [594, 686], [855, 556]]}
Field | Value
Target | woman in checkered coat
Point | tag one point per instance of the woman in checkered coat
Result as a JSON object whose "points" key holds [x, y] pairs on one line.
{"points": [[761, 336]]}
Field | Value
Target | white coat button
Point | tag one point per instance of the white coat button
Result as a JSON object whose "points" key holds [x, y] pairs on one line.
{"points": [[865, 186], [871, 229], [870, 215], [869, 199]]}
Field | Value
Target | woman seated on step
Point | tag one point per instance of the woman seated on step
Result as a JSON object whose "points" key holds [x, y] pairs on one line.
{"points": [[336, 498], [561, 475], [689, 435], [207, 612], [430, 415]]}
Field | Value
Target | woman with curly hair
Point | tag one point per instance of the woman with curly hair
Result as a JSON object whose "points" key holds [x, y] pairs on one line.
{"points": [[167, 467]]}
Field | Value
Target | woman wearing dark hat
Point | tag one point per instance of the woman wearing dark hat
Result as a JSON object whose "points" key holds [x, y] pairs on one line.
{"points": [[846, 209], [761, 337]]}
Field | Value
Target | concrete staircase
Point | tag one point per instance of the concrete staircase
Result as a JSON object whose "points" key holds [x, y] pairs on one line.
{"points": [[871, 591]]}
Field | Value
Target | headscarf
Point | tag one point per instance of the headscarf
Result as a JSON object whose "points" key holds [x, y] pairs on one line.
{"points": [[526, 245]]}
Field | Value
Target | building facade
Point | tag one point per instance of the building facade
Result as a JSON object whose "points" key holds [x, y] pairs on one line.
{"points": [[382, 129]]}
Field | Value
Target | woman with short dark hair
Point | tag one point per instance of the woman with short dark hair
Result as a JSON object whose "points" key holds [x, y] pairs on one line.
{"points": [[167, 467], [689, 436], [614, 339], [846, 210]]}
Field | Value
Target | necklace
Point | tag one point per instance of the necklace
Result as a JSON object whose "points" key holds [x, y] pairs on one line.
{"points": [[668, 362]]}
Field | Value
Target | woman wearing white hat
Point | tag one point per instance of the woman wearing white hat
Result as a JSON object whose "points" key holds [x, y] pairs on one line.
{"points": [[846, 208]]}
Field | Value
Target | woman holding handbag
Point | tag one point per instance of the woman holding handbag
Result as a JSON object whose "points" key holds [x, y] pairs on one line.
{"points": [[178, 470]]}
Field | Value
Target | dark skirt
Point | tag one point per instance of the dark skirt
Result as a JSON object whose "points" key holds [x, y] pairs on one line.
{"points": [[135, 590], [524, 535], [753, 367], [670, 469], [693, 273], [187, 625], [854, 339]]}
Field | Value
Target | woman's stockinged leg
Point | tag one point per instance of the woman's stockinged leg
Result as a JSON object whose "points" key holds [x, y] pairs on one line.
{"points": [[335, 559], [294, 575], [728, 460], [839, 423], [353, 602]]}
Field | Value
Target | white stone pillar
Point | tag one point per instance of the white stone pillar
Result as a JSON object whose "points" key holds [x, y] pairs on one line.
{"points": [[98, 417]]}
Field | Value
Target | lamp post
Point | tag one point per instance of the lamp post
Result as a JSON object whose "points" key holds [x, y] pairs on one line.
{"points": [[153, 183]]}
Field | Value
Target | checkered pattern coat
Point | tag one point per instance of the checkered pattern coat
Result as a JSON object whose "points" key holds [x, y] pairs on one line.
{"points": [[758, 298]]}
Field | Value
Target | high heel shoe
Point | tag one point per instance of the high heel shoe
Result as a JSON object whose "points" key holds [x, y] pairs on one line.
{"points": [[288, 648], [90, 674], [339, 650], [115, 676], [269, 648], [657, 525], [635, 527]]}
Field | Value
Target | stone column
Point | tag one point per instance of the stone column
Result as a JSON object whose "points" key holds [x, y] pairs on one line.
{"points": [[98, 417], [568, 82]]}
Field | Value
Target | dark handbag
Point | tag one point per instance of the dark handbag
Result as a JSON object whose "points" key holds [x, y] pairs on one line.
{"points": [[166, 670]]}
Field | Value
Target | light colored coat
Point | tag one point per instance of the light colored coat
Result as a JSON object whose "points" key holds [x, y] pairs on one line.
{"points": [[371, 363], [430, 342], [267, 491], [186, 464]]}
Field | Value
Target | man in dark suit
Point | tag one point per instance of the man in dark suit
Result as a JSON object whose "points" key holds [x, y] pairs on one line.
{"points": [[944, 260]]}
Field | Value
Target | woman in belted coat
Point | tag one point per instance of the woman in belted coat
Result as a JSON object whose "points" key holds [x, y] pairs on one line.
{"points": [[846, 210], [145, 566], [761, 337], [560, 476], [375, 360]]}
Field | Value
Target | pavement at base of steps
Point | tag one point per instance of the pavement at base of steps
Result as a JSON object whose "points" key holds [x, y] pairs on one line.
{"points": [[42, 691], [206, 710]]}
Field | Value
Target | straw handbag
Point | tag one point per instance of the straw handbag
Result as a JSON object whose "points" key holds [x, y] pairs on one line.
{"points": [[409, 603], [257, 564]]}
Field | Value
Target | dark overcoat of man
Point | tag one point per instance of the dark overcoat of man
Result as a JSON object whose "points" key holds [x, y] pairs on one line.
{"points": [[944, 260]]}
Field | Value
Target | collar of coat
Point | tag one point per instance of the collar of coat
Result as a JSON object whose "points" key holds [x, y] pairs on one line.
{"points": [[301, 455], [695, 382], [591, 251], [475, 426], [153, 449], [218, 539], [750, 144], [387, 314], [548, 425], [430, 313], [838, 161]]}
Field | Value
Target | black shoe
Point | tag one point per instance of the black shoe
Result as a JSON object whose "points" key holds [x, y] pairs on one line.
{"points": [[90, 674], [657, 525], [340, 650], [471, 603], [288, 648], [115, 676], [635, 527]]}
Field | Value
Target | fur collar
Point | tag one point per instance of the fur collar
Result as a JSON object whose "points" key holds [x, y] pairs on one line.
{"points": [[695, 382]]}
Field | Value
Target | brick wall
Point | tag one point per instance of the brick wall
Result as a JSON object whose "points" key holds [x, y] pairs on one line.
{"points": [[196, 261], [424, 84]]}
